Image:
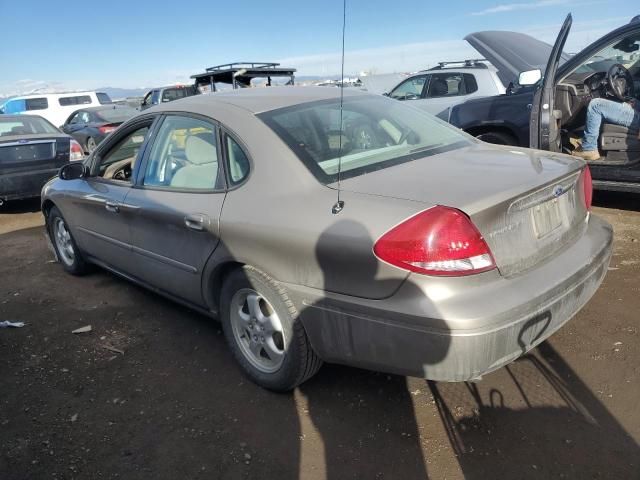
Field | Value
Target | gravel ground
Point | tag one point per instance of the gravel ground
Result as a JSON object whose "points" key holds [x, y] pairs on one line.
{"points": [[152, 391]]}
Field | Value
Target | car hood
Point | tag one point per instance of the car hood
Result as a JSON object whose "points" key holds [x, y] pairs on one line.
{"points": [[512, 52], [470, 179]]}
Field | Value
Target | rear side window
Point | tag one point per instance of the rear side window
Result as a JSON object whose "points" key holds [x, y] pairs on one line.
{"points": [[14, 106], [76, 100], [238, 161], [171, 94], [36, 103], [103, 98], [470, 83]]}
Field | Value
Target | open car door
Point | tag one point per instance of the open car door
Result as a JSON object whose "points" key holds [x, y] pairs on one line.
{"points": [[544, 126]]}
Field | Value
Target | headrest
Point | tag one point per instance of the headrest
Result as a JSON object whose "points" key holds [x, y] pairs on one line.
{"points": [[199, 150]]}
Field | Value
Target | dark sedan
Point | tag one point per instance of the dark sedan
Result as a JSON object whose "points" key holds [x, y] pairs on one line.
{"points": [[90, 126], [31, 152]]}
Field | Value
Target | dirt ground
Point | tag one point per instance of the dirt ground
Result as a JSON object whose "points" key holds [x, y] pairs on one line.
{"points": [[152, 391]]}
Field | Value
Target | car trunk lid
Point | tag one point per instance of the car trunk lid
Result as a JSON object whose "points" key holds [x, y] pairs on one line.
{"points": [[527, 204], [33, 152]]}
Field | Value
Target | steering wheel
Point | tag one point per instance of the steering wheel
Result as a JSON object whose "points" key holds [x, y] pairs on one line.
{"points": [[620, 82]]}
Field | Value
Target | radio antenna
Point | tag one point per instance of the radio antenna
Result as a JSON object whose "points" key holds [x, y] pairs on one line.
{"points": [[337, 208]]}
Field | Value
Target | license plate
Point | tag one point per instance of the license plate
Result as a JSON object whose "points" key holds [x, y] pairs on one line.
{"points": [[546, 217]]}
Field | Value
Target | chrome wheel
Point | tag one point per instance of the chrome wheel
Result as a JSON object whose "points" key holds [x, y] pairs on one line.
{"points": [[63, 241], [257, 330]]}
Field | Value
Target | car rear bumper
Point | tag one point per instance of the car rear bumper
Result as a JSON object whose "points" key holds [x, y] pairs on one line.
{"points": [[457, 329], [14, 186]]}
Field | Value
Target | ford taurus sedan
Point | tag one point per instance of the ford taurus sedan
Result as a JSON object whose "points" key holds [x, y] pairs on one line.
{"points": [[364, 232]]}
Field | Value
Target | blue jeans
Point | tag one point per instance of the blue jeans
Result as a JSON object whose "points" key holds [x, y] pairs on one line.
{"points": [[613, 112]]}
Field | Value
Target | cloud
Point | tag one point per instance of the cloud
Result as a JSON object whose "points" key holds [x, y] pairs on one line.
{"points": [[510, 7], [27, 85]]}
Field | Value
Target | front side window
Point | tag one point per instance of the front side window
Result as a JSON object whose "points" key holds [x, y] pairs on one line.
{"points": [[36, 103], [119, 162], [376, 133], [184, 156], [410, 89]]}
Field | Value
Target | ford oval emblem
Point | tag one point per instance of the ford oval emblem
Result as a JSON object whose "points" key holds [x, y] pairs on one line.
{"points": [[558, 190], [22, 140]]}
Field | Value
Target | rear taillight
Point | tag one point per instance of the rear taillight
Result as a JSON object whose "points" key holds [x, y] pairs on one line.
{"points": [[439, 241], [76, 153], [107, 129], [587, 187]]}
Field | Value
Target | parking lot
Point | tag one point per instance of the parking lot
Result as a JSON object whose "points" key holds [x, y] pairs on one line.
{"points": [[153, 392]]}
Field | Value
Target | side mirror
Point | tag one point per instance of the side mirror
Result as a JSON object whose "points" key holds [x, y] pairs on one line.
{"points": [[530, 77], [72, 171]]}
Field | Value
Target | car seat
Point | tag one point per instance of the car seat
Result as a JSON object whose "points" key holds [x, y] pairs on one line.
{"points": [[438, 88], [201, 170], [620, 144]]}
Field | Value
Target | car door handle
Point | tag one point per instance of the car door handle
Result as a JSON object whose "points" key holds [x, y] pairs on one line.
{"points": [[112, 207], [195, 222]]}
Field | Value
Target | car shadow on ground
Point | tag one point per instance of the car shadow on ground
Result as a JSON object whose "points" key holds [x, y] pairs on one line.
{"points": [[617, 200], [29, 205], [544, 423]]}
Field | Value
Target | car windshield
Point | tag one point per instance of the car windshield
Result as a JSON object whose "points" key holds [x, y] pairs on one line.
{"points": [[25, 126], [376, 133], [116, 114], [624, 52]]}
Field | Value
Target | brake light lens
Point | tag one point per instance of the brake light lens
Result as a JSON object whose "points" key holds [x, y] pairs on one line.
{"points": [[587, 187], [107, 129], [439, 241], [75, 152]]}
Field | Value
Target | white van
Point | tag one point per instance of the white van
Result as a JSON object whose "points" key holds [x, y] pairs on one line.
{"points": [[55, 107]]}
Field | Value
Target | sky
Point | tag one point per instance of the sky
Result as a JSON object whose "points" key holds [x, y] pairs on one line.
{"points": [[132, 44]]}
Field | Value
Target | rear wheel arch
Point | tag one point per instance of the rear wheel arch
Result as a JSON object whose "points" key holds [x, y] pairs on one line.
{"points": [[504, 135], [214, 280]]}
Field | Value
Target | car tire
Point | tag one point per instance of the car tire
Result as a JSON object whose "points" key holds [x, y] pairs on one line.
{"points": [[91, 145], [67, 251], [498, 138], [262, 328]]}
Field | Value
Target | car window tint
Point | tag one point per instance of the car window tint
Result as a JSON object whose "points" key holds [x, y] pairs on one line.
{"points": [[75, 100], [118, 162], [36, 103], [103, 98], [446, 84], [184, 156], [238, 161], [376, 133], [410, 89], [470, 83], [23, 126]]}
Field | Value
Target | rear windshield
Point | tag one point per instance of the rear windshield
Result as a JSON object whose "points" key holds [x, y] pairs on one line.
{"points": [[25, 126], [103, 98], [171, 94], [75, 100], [376, 133], [116, 114]]}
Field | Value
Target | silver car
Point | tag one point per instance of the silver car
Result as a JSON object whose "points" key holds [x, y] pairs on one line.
{"points": [[371, 235]]}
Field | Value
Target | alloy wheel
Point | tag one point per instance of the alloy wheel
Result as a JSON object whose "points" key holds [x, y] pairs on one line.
{"points": [[63, 241], [257, 330]]}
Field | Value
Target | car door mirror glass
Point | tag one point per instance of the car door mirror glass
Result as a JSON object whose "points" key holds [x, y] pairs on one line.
{"points": [[530, 77], [72, 171]]}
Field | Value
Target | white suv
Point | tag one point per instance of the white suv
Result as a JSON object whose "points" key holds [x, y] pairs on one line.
{"points": [[438, 89], [55, 107]]}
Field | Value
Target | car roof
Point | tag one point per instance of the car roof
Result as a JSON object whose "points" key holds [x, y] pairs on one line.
{"points": [[262, 99], [109, 106]]}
